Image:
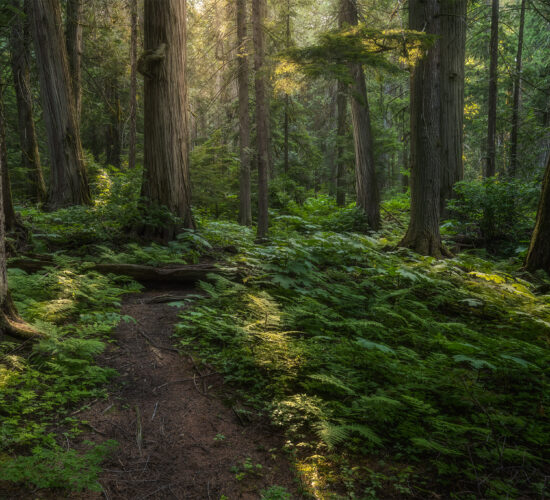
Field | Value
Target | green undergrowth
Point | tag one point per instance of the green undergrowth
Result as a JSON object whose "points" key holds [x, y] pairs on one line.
{"points": [[42, 386], [393, 375]]}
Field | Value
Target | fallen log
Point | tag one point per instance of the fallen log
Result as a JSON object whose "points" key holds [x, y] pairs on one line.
{"points": [[166, 274]]}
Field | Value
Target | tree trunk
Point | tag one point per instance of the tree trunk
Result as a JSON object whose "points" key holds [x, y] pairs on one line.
{"points": [[10, 322], [132, 140], [20, 55], [490, 167], [286, 154], [262, 134], [73, 37], [517, 96], [453, 55], [113, 146], [163, 64], [68, 181], [341, 104], [538, 256], [245, 208], [423, 234], [368, 196]]}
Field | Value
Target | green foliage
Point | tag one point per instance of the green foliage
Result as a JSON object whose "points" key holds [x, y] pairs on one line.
{"points": [[494, 212], [275, 493], [441, 365]]}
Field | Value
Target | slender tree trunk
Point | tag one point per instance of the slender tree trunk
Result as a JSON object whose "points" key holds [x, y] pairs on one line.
{"points": [[68, 181], [490, 167], [73, 37], [245, 207], [341, 103], [113, 132], [262, 133], [366, 185], [517, 96], [132, 141], [163, 64], [538, 256], [423, 234], [20, 54], [453, 56], [287, 97]]}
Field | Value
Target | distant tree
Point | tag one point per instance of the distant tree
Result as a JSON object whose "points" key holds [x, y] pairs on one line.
{"points": [[262, 132], [423, 234], [341, 111], [453, 56], [20, 54], [366, 185], [517, 95], [490, 167], [68, 180], [163, 65], [245, 209], [538, 256], [73, 38], [132, 140]]}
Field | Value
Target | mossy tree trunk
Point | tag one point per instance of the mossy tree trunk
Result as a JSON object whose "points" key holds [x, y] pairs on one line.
{"points": [[166, 174], [538, 256], [20, 55], [68, 180], [73, 37]]}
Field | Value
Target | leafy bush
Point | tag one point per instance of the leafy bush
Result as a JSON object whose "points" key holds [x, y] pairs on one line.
{"points": [[493, 211]]}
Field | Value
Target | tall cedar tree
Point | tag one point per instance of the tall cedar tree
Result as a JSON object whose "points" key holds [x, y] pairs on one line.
{"points": [[73, 38], [517, 95], [490, 167], [68, 180], [20, 56], [423, 234], [262, 133], [341, 109], [10, 322], [538, 256], [132, 134], [453, 56], [245, 206], [163, 64], [368, 196]]}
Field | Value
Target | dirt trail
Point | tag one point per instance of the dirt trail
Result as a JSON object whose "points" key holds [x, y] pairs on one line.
{"points": [[177, 439]]}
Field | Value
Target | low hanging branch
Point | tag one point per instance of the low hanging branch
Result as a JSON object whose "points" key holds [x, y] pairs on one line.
{"points": [[168, 274]]}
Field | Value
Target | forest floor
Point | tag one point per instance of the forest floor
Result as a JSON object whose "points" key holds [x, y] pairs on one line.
{"points": [[180, 434]]}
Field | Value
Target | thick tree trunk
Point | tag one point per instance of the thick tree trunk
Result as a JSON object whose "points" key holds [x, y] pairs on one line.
{"points": [[538, 256], [490, 167], [517, 96], [68, 181], [132, 140], [20, 55], [10, 322], [262, 132], [341, 104], [423, 234], [163, 64], [453, 55], [73, 37], [366, 185], [245, 207]]}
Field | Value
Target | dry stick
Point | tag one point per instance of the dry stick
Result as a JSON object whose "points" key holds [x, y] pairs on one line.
{"points": [[182, 381], [155, 411], [139, 435], [154, 344]]}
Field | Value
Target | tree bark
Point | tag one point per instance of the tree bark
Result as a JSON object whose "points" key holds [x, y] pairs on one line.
{"points": [[538, 256], [163, 64], [68, 181], [366, 185], [262, 133], [517, 96], [73, 37], [245, 207], [20, 55], [490, 167], [113, 143], [453, 55], [10, 322], [423, 234], [132, 140], [341, 104]]}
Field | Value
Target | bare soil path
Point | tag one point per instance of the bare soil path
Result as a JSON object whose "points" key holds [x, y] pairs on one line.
{"points": [[177, 439]]}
